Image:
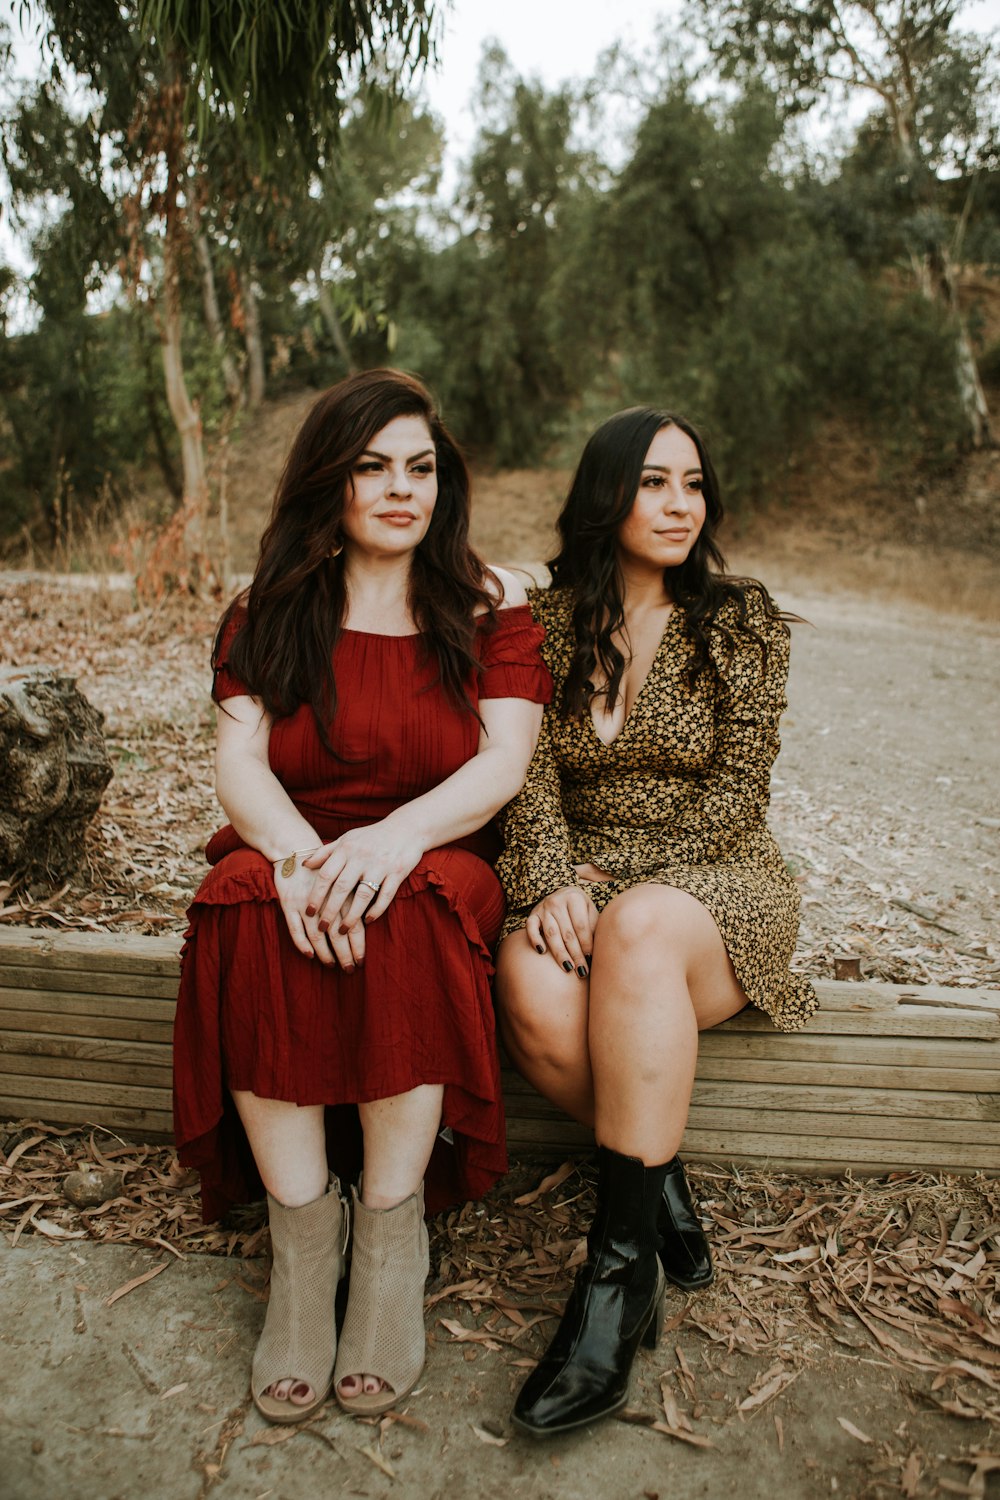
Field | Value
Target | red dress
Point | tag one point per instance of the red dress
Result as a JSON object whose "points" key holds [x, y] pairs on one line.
{"points": [[254, 1013]]}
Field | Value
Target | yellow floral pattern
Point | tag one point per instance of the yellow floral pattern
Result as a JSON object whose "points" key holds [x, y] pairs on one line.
{"points": [[679, 798]]}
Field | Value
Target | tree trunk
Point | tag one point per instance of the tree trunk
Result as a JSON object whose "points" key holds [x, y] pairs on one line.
{"points": [[936, 279], [333, 324], [53, 770], [213, 319], [185, 414], [256, 379]]}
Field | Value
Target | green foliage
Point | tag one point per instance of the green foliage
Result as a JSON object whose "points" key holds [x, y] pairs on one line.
{"points": [[279, 69]]}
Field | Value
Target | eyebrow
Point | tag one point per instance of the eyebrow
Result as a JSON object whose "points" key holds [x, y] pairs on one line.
{"points": [[665, 469], [386, 458]]}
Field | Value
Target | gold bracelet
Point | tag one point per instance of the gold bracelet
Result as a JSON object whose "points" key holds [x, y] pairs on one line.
{"points": [[287, 861]]}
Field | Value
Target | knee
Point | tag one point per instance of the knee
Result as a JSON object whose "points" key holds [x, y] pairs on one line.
{"points": [[646, 915], [541, 1026]]}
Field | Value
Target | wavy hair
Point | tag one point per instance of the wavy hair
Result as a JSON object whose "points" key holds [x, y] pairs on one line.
{"points": [[294, 609], [602, 494]]}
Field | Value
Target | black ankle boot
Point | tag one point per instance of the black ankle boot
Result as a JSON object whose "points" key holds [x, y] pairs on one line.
{"points": [[684, 1250], [616, 1304]]}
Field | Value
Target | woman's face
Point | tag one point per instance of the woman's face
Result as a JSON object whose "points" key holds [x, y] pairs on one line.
{"points": [[392, 491], [669, 508]]}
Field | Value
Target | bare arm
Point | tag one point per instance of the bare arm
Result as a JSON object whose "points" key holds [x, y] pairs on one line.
{"points": [[384, 853]]}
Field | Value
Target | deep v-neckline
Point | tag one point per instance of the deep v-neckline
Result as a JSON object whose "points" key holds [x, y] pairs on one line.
{"points": [[607, 744]]}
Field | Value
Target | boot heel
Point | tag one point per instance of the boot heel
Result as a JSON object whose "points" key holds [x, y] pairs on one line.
{"points": [[654, 1327]]}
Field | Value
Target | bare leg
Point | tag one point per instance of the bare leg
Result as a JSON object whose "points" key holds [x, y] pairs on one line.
{"points": [[562, 1032], [544, 1019], [660, 973], [399, 1137], [288, 1142]]}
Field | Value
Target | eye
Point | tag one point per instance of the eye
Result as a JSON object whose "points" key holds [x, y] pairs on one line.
{"points": [[423, 469], [653, 481], [367, 466], [697, 485]]}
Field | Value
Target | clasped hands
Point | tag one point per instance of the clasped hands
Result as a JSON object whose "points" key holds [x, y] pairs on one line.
{"points": [[562, 924], [336, 889]]}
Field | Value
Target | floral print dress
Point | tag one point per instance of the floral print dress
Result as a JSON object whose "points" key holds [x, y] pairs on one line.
{"points": [[678, 798]]}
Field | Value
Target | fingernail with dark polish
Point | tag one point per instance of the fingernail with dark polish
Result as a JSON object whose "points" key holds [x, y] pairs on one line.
{"points": [[343, 929], [348, 968], [581, 971], [324, 927], [539, 948], [310, 911], [568, 966]]}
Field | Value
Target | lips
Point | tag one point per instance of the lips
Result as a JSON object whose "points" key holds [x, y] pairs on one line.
{"points": [[396, 517]]}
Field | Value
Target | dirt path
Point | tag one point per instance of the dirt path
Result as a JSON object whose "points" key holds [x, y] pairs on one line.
{"points": [[885, 795]]}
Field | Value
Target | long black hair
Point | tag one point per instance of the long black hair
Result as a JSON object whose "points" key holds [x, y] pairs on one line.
{"points": [[294, 608], [601, 496]]}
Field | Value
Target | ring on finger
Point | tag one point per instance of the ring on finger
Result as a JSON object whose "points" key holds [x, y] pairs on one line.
{"points": [[372, 885]]}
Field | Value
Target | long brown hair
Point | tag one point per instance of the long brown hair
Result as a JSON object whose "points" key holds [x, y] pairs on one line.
{"points": [[601, 495], [294, 608]]}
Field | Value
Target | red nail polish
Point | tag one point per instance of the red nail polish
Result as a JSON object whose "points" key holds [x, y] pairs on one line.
{"points": [[343, 929], [324, 927], [310, 911]]}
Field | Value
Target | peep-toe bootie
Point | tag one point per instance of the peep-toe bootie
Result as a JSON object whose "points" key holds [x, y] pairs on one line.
{"points": [[685, 1253], [299, 1341], [383, 1333], [616, 1304]]}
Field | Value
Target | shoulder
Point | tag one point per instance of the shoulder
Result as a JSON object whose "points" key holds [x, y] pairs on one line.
{"points": [[552, 607], [748, 611], [505, 588]]}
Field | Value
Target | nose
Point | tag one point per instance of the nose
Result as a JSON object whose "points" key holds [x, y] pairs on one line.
{"points": [[399, 480], [676, 499]]}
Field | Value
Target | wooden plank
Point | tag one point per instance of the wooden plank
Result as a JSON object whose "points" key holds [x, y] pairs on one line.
{"points": [[767, 1097], [119, 952], [88, 981], [69, 1004], [827, 1128], [846, 1073], [150, 1124], [105, 1068], [67, 1024], [723, 1144], [46, 1044], [804, 1046], [851, 994], [901, 1020], [921, 1104], [74, 1091]]}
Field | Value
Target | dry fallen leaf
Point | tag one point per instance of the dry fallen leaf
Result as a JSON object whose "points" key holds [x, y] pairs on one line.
{"points": [[489, 1437], [130, 1286], [855, 1432]]}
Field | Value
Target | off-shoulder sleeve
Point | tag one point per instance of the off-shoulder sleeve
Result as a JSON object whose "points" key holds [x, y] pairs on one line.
{"points": [[536, 857], [734, 794], [512, 660], [225, 683]]}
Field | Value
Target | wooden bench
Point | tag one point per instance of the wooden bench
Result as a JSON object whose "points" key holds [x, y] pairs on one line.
{"points": [[884, 1076]]}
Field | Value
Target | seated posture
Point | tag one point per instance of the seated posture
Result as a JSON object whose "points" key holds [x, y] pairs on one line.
{"points": [[379, 693], [647, 899]]}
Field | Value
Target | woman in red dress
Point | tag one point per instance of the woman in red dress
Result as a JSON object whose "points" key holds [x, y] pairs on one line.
{"points": [[379, 695]]}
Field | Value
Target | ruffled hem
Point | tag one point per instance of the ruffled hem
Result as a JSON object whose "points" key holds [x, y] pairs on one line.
{"points": [[255, 1014]]}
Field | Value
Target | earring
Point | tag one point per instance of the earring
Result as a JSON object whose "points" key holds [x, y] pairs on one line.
{"points": [[336, 550]]}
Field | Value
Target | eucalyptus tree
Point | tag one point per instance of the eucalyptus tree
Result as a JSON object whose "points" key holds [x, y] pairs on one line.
{"points": [[930, 83], [162, 74]]}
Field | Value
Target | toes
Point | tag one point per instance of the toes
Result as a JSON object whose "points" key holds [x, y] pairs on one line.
{"points": [[356, 1385], [295, 1391]]}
